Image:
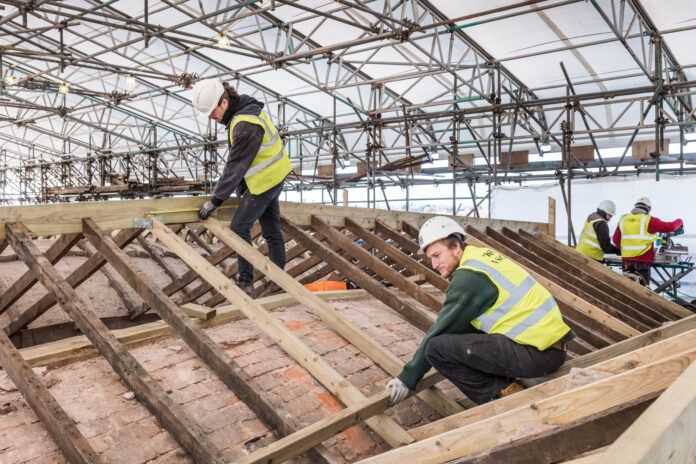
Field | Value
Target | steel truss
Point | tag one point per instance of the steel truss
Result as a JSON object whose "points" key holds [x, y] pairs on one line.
{"points": [[104, 139]]}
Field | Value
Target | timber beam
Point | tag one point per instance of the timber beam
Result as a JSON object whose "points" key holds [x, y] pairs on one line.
{"points": [[376, 265], [59, 425], [580, 279], [352, 333], [231, 374], [318, 367], [411, 314], [55, 252], [396, 255], [629, 287], [172, 416], [64, 218], [79, 275], [546, 416]]}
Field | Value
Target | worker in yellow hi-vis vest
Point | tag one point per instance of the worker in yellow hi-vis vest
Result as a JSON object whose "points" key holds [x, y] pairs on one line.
{"points": [[635, 234], [497, 323], [256, 167], [594, 239]]}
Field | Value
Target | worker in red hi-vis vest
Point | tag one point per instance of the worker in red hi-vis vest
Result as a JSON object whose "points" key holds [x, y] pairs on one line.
{"points": [[635, 235]]}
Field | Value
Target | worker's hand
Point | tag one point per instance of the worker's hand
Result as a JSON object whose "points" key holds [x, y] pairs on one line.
{"points": [[398, 391], [207, 208], [679, 231]]}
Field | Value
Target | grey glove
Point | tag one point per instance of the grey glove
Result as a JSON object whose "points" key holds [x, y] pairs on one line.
{"points": [[207, 208], [398, 391]]}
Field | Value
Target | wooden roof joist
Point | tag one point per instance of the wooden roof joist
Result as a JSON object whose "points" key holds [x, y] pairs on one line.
{"points": [[640, 342]]}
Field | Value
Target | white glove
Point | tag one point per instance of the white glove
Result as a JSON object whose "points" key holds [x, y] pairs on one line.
{"points": [[398, 391]]}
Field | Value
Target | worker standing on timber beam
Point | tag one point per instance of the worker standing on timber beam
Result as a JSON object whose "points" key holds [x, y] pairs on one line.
{"points": [[496, 324], [635, 235], [256, 167], [594, 239]]}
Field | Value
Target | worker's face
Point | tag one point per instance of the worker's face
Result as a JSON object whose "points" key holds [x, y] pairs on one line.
{"points": [[219, 111], [444, 259]]}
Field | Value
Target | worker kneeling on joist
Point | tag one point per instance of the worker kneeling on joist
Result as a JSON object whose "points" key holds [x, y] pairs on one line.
{"points": [[496, 324]]}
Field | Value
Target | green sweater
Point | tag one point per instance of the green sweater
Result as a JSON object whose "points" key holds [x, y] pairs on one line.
{"points": [[469, 294]]}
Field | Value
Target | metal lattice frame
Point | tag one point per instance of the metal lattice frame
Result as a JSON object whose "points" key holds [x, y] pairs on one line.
{"points": [[105, 139]]}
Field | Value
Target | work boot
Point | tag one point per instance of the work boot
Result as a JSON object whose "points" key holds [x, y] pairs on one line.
{"points": [[248, 288], [514, 387], [270, 288]]}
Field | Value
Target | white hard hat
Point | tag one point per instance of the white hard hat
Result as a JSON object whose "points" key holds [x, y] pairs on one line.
{"points": [[206, 95], [644, 201], [608, 206], [437, 228]]}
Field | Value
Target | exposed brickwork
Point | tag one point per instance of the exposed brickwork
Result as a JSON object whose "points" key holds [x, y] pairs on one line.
{"points": [[93, 395]]}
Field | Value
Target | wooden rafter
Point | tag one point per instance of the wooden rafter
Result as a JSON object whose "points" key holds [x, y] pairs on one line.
{"points": [[171, 415]]}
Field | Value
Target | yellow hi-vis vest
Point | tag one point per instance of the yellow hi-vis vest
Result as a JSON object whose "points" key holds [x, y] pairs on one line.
{"points": [[588, 244], [271, 164], [524, 311], [635, 238]]}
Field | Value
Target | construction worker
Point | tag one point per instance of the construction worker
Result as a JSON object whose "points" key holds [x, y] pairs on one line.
{"points": [[496, 324], [635, 235], [256, 167], [594, 239]]}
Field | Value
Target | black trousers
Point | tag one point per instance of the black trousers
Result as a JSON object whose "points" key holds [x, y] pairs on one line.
{"points": [[480, 365], [640, 268], [266, 209]]}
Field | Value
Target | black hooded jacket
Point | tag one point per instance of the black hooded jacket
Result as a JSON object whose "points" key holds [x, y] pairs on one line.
{"points": [[247, 140]]}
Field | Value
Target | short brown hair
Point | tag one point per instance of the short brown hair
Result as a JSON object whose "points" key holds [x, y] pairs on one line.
{"points": [[452, 241], [230, 92]]}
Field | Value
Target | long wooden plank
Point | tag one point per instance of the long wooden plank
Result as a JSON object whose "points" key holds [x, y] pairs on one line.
{"points": [[619, 348], [78, 347], [318, 367], [293, 253], [665, 432], [376, 265], [59, 425], [64, 218], [626, 285], [595, 279], [79, 275], [290, 446], [406, 244], [371, 348], [545, 416], [172, 416], [600, 291], [398, 256], [55, 252], [214, 356], [597, 432], [632, 360], [477, 238], [413, 315], [587, 293]]}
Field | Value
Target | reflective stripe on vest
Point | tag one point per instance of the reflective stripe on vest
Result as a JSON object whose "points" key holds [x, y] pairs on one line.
{"points": [[271, 164], [635, 238], [524, 310], [588, 244]]}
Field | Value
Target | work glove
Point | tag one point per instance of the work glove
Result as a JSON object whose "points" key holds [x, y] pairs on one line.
{"points": [[679, 231], [398, 391], [207, 208]]}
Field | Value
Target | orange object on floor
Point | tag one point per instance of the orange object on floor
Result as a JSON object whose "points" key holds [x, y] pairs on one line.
{"points": [[325, 285]]}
